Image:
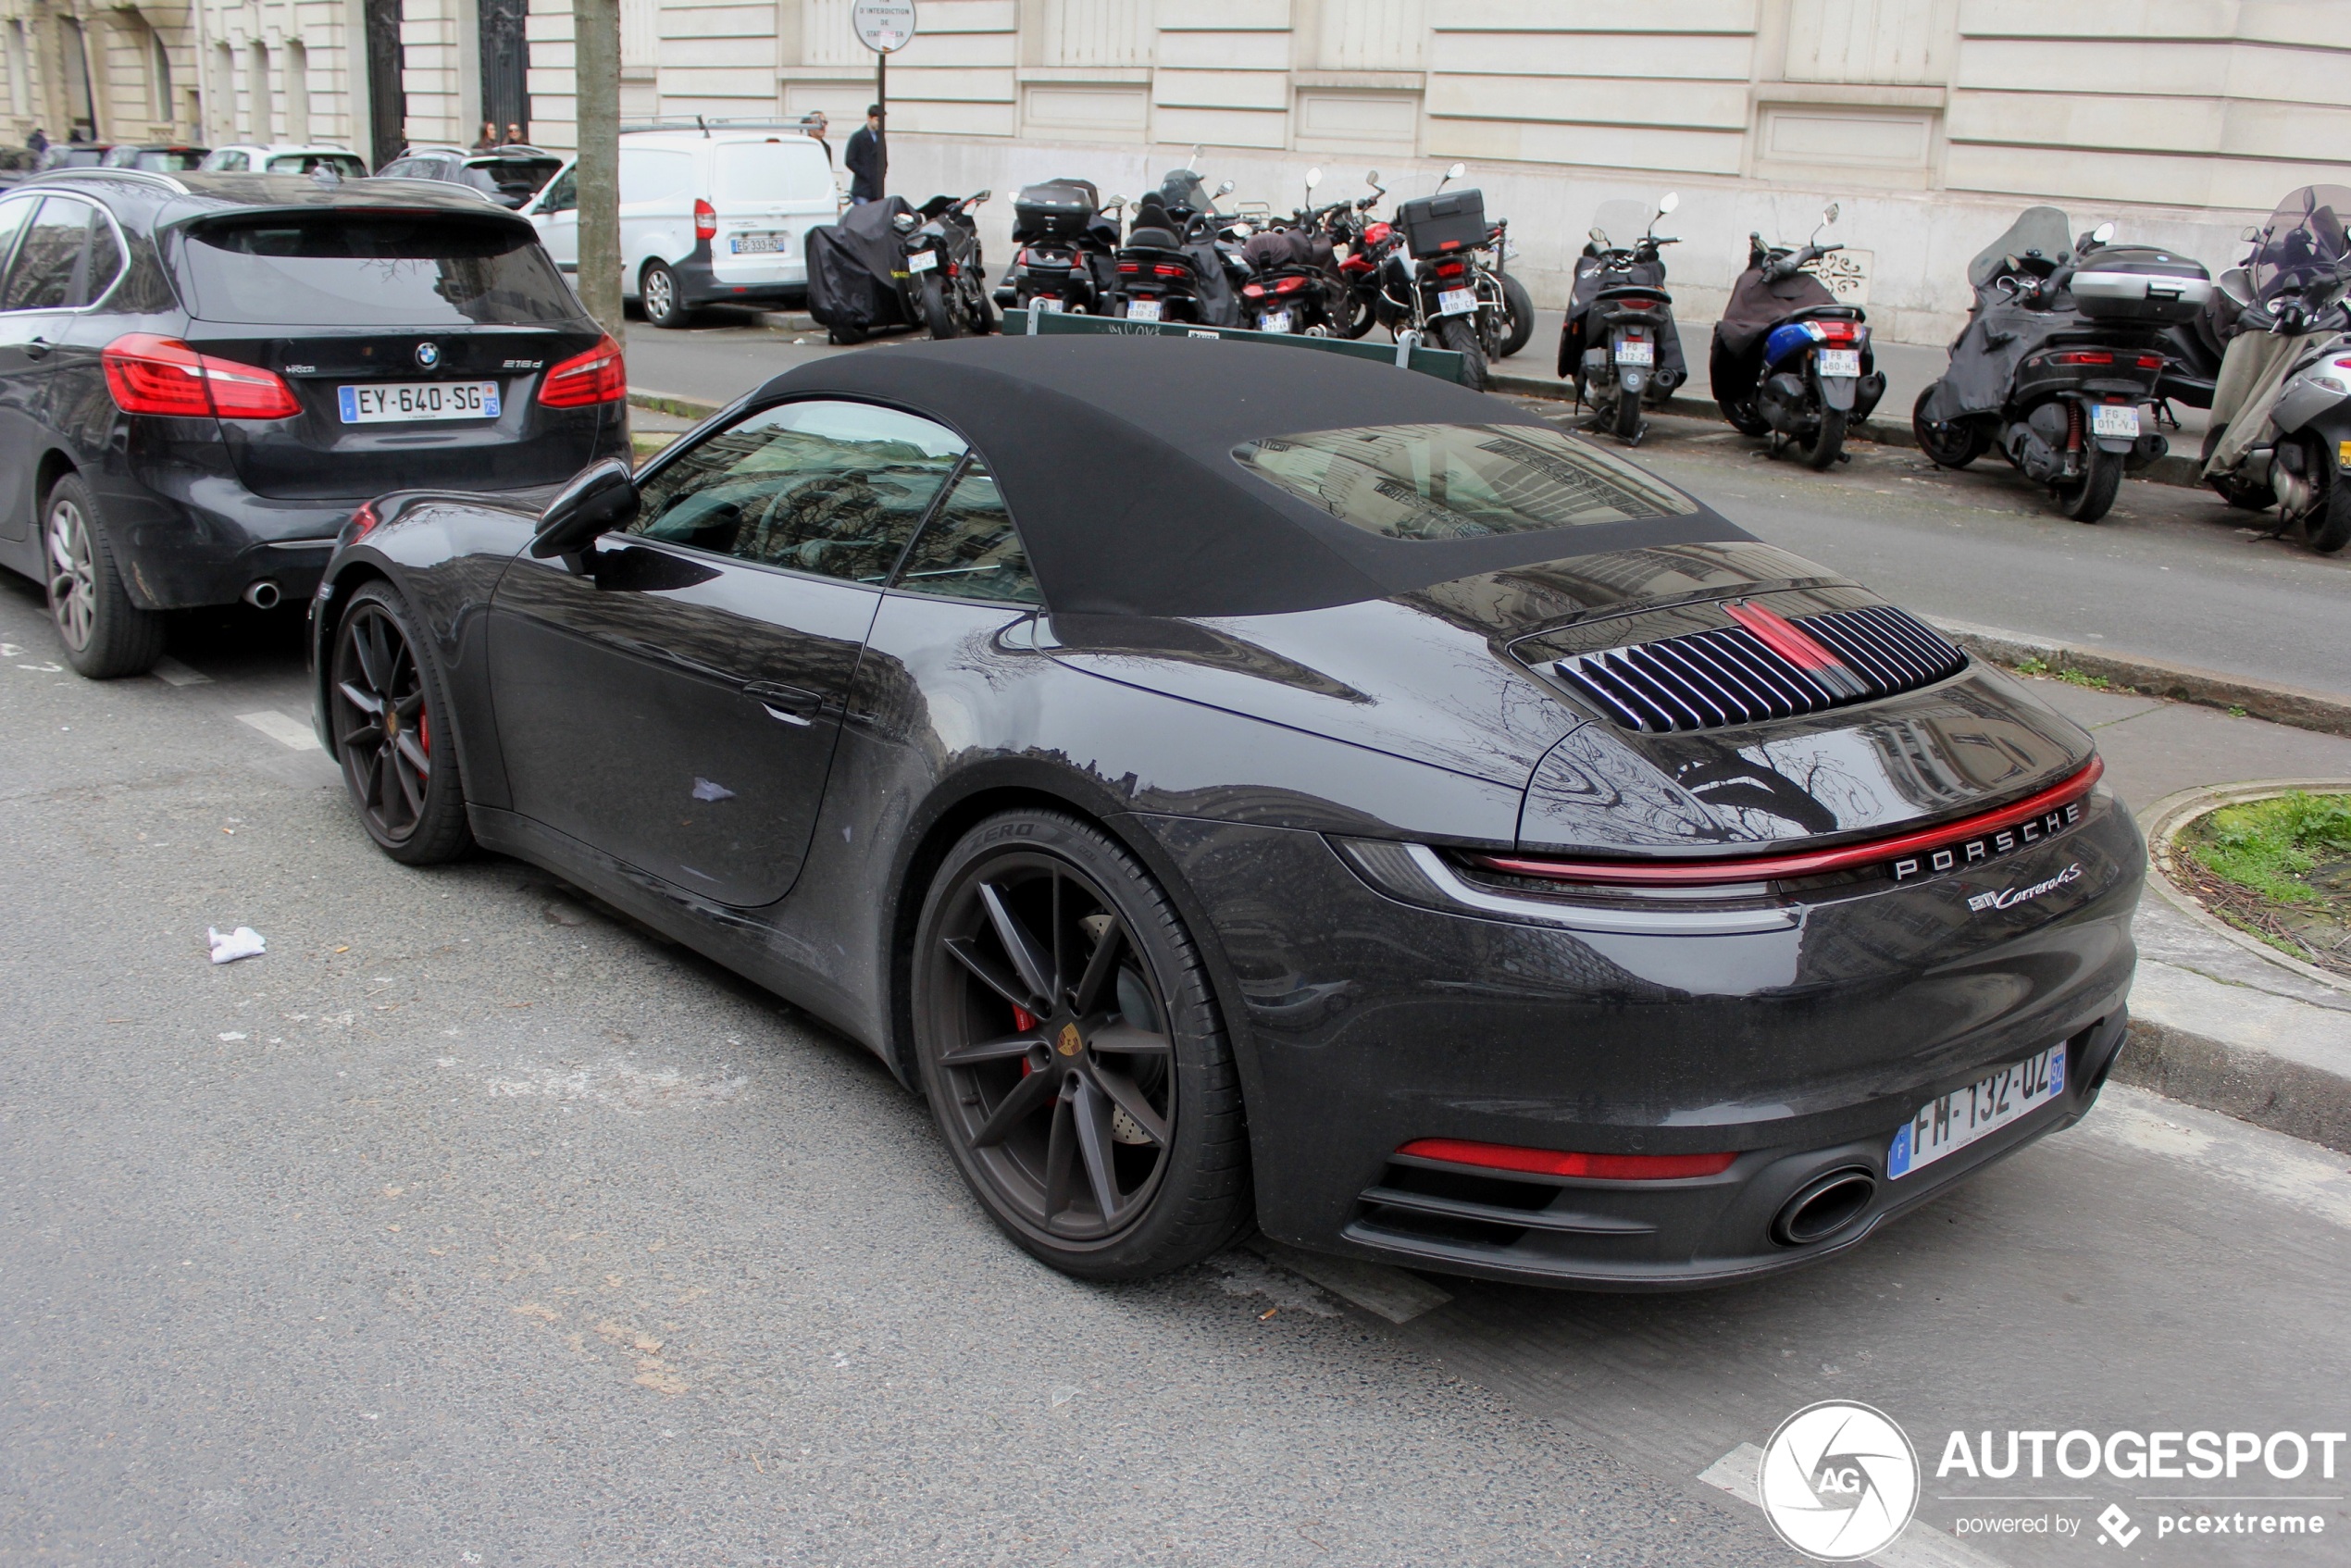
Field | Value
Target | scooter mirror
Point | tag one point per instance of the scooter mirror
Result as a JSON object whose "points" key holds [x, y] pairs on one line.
{"points": [[2251, 235], [981, 197], [2103, 233], [1225, 189], [1370, 178], [1313, 178], [2238, 285], [1599, 236], [1828, 214], [903, 223], [1668, 202], [1456, 172]]}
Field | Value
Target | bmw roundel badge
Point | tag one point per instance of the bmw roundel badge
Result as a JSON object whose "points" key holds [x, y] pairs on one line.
{"points": [[428, 354]]}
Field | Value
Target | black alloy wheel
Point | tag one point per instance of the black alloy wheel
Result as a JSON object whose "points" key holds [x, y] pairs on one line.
{"points": [[1072, 1053], [402, 775], [105, 635], [1460, 334], [1948, 444]]}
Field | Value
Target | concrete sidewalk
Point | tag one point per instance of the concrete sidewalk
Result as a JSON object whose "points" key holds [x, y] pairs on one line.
{"points": [[2217, 1021]]}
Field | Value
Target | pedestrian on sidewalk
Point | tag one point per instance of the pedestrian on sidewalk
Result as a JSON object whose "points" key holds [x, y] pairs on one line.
{"points": [[817, 125], [867, 157], [489, 137]]}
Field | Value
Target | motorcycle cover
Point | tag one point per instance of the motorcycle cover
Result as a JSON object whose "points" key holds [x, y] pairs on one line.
{"points": [[1273, 249], [856, 267], [1999, 334], [1219, 302]]}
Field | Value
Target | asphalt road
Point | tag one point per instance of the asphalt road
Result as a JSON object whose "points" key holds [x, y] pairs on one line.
{"points": [[472, 1225], [2172, 573]]}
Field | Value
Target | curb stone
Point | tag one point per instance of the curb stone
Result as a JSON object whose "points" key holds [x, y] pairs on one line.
{"points": [[2164, 820]]}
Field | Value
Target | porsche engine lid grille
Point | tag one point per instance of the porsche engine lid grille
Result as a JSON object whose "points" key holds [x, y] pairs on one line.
{"points": [[1765, 666]]}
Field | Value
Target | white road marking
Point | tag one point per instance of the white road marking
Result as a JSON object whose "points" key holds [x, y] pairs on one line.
{"points": [[171, 672], [1391, 1293], [291, 733], [1920, 1546], [2306, 1176]]}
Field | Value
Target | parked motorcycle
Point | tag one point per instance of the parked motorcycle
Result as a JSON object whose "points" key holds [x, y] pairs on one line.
{"points": [[2281, 404], [946, 281], [1293, 272], [1362, 243], [1439, 285], [1068, 242], [1172, 267], [1788, 361], [2061, 348], [1619, 344]]}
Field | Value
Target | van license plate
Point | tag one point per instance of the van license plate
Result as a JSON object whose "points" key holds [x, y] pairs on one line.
{"points": [[1946, 1126], [922, 261], [1635, 351], [398, 402], [1456, 302], [756, 245], [2114, 419], [1839, 362]]}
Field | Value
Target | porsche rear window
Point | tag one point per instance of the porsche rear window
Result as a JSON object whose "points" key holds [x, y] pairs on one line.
{"points": [[1460, 481], [340, 269]]}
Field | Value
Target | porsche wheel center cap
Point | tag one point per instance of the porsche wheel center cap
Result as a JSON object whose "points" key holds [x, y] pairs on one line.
{"points": [[1069, 1042]]}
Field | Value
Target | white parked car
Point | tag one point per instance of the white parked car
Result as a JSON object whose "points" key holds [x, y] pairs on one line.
{"points": [[285, 157], [706, 217]]}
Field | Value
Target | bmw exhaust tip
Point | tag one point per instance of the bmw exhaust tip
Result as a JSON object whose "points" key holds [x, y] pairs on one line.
{"points": [[1823, 1206], [262, 594]]}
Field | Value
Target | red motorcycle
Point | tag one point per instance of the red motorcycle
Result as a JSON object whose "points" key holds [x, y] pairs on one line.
{"points": [[1363, 243]]}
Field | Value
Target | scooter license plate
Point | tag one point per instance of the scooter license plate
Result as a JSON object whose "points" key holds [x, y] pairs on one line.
{"points": [[2114, 419], [1840, 362], [1049, 303], [1273, 321], [1142, 310], [1456, 302], [922, 261], [1635, 351]]}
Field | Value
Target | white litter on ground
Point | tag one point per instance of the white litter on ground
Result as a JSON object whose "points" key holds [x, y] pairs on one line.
{"points": [[242, 942], [171, 672], [291, 733]]}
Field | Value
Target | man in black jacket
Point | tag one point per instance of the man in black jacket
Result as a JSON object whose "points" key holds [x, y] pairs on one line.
{"points": [[867, 158]]}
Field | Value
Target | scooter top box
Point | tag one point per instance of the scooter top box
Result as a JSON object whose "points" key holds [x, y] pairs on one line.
{"points": [[1451, 220], [2140, 283], [1057, 210]]}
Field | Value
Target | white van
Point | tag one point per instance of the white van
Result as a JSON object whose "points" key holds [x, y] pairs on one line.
{"points": [[715, 216]]}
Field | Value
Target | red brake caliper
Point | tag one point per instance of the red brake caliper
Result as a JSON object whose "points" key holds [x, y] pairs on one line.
{"points": [[424, 732], [1024, 1019]]}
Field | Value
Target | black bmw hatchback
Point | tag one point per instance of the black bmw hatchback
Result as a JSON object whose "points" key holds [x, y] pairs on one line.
{"points": [[202, 375]]}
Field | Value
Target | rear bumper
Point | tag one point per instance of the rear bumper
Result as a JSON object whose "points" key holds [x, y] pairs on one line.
{"points": [[699, 282], [1364, 1023]]}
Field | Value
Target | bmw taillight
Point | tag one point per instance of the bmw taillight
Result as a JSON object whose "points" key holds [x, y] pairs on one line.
{"points": [[585, 380], [149, 374], [705, 220]]}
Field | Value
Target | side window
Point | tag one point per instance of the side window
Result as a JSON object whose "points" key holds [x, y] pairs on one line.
{"points": [[105, 258], [47, 272], [398, 168], [835, 488], [12, 218], [564, 194], [968, 550]]}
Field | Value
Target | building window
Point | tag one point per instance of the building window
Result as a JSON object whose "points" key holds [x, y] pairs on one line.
{"points": [[297, 90], [262, 122], [159, 79]]}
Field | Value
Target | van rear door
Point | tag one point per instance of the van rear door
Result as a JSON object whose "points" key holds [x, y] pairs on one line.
{"points": [[768, 194]]}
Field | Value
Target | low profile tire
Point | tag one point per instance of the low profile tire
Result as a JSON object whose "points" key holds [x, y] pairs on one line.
{"points": [[665, 308], [2094, 497], [939, 311], [1460, 334], [385, 702], [1518, 309], [105, 635], [1827, 442], [1073, 1054], [1952, 445]]}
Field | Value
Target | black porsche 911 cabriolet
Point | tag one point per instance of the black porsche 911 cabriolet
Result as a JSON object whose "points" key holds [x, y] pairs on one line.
{"points": [[1239, 784]]}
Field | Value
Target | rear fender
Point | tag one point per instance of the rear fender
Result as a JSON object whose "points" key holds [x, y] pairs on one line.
{"points": [[1836, 392], [2315, 396]]}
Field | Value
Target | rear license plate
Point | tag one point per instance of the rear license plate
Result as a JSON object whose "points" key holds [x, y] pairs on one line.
{"points": [[1635, 351], [398, 402], [1839, 362], [1142, 310], [1273, 321], [922, 261], [2114, 419], [1945, 1125], [1456, 301], [756, 245], [1049, 303]]}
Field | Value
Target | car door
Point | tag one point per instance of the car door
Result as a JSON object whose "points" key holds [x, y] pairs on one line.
{"points": [[44, 280], [676, 702]]}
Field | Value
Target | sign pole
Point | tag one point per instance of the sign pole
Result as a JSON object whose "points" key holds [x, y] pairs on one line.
{"points": [[884, 27]]}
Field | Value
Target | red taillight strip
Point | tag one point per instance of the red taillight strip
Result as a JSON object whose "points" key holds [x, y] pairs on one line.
{"points": [[1562, 1163], [1779, 867]]}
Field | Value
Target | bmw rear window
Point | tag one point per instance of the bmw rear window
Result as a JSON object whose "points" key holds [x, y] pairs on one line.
{"points": [[1460, 481], [342, 268]]}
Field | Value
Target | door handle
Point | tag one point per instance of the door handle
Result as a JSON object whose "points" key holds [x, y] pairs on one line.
{"points": [[38, 348], [788, 704]]}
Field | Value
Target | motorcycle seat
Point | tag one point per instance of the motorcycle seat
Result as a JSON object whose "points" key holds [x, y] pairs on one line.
{"points": [[1152, 240], [1826, 313], [1633, 291]]}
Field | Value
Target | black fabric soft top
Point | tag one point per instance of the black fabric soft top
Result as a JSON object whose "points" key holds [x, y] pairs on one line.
{"points": [[1114, 457]]}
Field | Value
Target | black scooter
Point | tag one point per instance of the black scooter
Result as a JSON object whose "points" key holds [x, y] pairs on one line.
{"points": [[1788, 361], [2062, 346], [1618, 342], [1171, 267], [1068, 242], [946, 280]]}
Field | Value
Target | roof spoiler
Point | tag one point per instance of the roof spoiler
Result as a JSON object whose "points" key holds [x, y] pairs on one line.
{"points": [[708, 123], [144, 176]]}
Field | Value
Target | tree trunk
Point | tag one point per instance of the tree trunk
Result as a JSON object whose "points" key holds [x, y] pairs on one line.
{"points": [[596, 71]]}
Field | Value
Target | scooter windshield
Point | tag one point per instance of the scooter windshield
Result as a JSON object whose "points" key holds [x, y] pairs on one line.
{"points": [[2042, 229], [2302, 242], [1623, 222]]}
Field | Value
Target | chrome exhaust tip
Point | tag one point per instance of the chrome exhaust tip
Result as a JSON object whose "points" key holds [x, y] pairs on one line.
{"points": [[262, 594], [1823, 1206]]}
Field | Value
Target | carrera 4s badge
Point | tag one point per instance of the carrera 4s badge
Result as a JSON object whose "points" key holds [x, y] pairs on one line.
{"points": [[2008, 896]]}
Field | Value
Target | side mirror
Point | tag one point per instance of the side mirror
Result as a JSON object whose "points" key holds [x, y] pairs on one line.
{"points": [[1456, 172], [1313, 178], [1828, 214], [1114, 204], [1668, 202], [1225, 189], [1370, 178], [1599, 237], [2251, 236], [600, 498], [2237, 284], [981, 197], [903, 223], [2103, 233]]}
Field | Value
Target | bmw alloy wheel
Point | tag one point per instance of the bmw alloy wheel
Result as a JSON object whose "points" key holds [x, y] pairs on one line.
{"points": [[73, 575]]}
